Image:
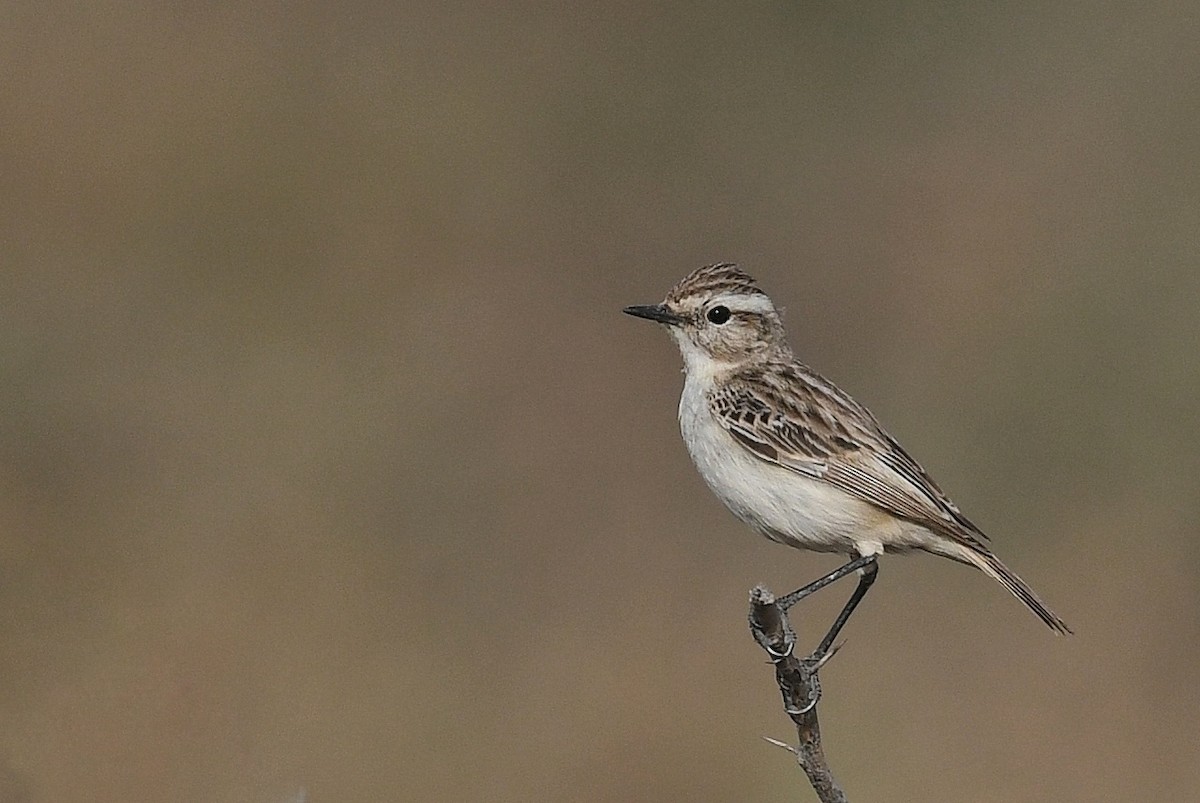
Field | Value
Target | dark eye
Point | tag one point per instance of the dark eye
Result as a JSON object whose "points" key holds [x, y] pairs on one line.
{"points": [[718, 314]]}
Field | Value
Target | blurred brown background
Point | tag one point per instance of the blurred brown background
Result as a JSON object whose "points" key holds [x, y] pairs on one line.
{"points": [[328, 462]]}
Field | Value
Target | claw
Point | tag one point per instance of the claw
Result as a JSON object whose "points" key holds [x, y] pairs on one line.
{"points": [[776, 657], [795, 712]]}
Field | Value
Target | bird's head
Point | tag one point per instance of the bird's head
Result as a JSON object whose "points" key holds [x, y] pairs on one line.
{"points": [[720, 319]]}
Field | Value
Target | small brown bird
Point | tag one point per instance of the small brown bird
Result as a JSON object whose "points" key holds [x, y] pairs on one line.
{"points": [[795, 457]]}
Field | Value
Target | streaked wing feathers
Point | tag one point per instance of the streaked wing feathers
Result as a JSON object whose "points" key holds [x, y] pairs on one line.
{"points": [[792, 417]]}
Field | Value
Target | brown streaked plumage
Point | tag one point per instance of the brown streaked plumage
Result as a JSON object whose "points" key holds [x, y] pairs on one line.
{"points": [[723, 277], [792, 454]]}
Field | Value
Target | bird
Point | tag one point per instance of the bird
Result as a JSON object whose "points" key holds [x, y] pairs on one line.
{"points": [[797, 458]]}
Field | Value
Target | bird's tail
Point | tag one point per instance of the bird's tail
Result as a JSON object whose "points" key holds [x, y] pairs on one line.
{"points": [[991, 566], [1020, 589]]}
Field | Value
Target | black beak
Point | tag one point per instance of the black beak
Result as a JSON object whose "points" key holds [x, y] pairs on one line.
{"points": [[654, 312]]}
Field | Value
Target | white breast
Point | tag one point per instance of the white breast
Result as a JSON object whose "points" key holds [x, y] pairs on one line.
{"points": [[781, 504]]}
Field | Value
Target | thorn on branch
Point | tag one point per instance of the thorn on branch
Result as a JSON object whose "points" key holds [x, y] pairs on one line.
{"points": [[784, 745]]}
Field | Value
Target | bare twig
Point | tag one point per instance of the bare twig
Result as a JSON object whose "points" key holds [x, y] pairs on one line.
{"points": [[800, 688]]}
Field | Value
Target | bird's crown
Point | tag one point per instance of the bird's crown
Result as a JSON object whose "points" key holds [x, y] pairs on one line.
{"points": [[723, 278]]}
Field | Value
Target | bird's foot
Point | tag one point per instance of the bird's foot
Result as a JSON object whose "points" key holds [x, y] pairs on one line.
{"points": [[811, 665]]}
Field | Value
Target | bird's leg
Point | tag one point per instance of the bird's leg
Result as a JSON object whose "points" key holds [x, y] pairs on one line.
{"points": [[791, 599], [869, 570]]}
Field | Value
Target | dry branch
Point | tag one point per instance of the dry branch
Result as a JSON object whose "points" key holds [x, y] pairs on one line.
{"points": [[801, 690]]}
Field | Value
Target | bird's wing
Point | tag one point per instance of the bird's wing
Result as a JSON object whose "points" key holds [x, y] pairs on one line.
{"points": [[795, 419]]}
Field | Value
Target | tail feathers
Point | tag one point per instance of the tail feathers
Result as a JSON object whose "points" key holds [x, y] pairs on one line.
{"points": [[992, 566]]}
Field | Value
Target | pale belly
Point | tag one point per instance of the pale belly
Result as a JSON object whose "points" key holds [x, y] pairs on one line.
{"points": [[784, 505]]}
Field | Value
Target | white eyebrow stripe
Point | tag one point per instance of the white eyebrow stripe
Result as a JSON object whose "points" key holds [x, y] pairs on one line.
{"points": [[744, 302]]}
